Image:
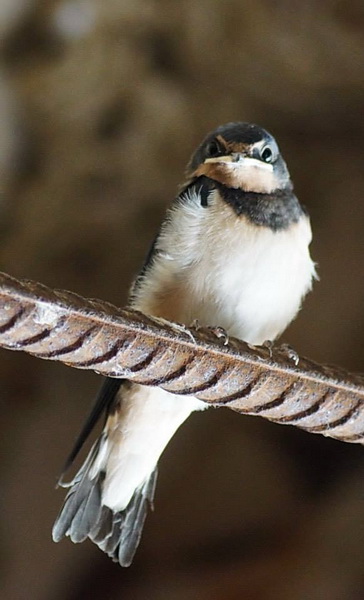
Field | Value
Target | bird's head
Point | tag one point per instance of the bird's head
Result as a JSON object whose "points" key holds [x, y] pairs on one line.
{"points": [[241, 156]]}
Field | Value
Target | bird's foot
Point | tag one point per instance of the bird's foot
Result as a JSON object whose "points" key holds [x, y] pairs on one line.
{"points": [[220, 333], [269, 345], [290, 353], [195, 325]]}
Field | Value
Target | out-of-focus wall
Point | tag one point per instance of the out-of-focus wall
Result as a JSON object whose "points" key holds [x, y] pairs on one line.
{"points": [[101, 104]]}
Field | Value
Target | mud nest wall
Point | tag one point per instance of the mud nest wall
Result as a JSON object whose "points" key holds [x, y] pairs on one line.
{"points": [[101, 104]]}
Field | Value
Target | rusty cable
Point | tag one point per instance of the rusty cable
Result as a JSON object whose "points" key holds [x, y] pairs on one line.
{"points": [[272, 382]]}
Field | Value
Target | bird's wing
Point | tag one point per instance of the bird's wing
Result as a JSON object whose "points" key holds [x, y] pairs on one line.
{"points": [[104, 402]]}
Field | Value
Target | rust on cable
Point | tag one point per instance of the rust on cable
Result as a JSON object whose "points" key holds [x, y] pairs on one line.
{"points": [[267, 381]]}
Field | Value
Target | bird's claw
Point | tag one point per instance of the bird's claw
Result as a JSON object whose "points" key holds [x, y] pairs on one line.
{"points": [[269, 345], [220, 333], [195, 325], [290, 353]]}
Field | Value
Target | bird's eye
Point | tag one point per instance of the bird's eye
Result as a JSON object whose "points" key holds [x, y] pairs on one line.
{"points": [[213, 149], [266, 154]]}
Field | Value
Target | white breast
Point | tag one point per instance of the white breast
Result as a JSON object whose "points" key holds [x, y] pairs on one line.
{"points": [[243, 277]]}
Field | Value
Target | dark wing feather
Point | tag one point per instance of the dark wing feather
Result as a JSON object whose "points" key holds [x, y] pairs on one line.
{"points": [[147, 262], [103, 403]]}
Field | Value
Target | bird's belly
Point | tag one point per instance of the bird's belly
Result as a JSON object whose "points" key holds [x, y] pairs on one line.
{"points": [[255, 292]]}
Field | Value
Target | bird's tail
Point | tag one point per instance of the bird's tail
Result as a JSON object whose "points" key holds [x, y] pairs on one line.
{"points": [[84, 516]]}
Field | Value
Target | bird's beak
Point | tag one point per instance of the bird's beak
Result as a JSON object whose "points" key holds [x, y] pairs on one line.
{"points": [[241, 161], [221, 159]]}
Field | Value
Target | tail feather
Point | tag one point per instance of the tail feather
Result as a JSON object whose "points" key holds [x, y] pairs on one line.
{"points": [[102, 527], [81, 488], [112, 540], [134, 520], [84, 516]]}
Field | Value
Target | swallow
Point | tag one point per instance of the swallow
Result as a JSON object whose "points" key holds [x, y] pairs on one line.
{"points": [[233, 252]]}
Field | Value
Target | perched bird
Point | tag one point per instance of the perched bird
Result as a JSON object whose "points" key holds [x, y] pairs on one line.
{"points": [[231, 252]]}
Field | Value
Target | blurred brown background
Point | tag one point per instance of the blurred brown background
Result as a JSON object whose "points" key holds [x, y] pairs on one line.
{"points": [[101, 104]]}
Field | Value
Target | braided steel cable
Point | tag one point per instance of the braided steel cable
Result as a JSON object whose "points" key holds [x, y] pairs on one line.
{"points": [[267, 381]]}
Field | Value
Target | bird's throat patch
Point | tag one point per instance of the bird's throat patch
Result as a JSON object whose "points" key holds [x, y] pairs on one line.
{"points": [[277, 211]]}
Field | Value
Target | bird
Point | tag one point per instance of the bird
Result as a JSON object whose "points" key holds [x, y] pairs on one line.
{"points": [[232, 252]]}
